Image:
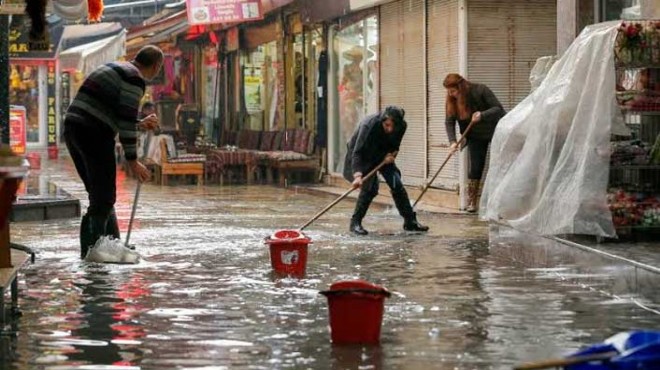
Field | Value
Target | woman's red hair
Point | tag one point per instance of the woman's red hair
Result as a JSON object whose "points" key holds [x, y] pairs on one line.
{"points": [[457, 107]]}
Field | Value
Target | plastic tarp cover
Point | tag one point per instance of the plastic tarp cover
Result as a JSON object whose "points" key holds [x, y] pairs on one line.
{"points": [[540, 70], [550, 155]]}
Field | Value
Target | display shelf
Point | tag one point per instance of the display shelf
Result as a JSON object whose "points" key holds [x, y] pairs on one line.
{"points": [[634, 177]]}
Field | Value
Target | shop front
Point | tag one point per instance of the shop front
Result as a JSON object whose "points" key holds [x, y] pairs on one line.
{"points": [[398, 53], [32, 84]]}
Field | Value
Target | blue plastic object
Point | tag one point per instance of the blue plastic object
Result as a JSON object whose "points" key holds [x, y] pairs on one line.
{"points": [[637, 350]]}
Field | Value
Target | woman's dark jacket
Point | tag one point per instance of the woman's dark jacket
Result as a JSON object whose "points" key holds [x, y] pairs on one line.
{"points": [[480, 99]]}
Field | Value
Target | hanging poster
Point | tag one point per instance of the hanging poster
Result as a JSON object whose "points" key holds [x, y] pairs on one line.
{"points": [[17, 129], [252, 81], [223, 11]]}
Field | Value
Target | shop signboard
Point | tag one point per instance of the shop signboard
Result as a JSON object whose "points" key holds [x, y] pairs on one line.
{"points": [[17, 129], [19, 40], [223, 11], [52, 109]]}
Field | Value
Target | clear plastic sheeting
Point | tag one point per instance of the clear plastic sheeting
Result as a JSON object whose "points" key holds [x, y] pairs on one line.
{"points": [[540, 70], [549, 166]]}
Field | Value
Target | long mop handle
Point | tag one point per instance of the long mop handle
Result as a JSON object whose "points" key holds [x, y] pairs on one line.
{"points": [[137, 196], [458, 145], [130, 223], [327, 208]]}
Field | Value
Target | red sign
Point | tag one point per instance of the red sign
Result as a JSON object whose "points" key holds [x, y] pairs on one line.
{"points": [[17, 129], [223, 11]]}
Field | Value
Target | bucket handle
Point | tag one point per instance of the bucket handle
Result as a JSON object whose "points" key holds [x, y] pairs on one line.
{"points": [[329, 293], [268, 240]]}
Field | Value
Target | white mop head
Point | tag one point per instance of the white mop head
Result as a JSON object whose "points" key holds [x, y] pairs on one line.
{"points": [[109, 250]]}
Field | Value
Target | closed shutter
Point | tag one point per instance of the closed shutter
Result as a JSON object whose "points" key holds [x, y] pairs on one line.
{"points": [[442, 46], [505, 37], [402, 79]]}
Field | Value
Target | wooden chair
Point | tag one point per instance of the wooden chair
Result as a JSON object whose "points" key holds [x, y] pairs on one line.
{"points": [[178, 168]]}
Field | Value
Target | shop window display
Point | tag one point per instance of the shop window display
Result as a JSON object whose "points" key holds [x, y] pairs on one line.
{"points": [[24, 91], [634, 193], [356, 50]]}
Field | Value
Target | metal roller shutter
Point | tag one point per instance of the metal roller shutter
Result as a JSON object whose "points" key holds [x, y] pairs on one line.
{"points": [[505, 37], [402, 79], [442, 46]]}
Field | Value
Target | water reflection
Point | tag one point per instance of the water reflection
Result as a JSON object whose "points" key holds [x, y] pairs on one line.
{"points": [[103, 330]]}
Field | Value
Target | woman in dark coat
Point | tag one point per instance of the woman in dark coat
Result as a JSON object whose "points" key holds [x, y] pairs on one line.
{"points": [[468, 101]]}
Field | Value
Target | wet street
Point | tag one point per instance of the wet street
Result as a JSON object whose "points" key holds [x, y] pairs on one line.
{"points": [[204, 296]]}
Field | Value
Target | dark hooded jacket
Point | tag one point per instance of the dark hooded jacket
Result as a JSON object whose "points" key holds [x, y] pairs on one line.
{"points": [[370, 144]]}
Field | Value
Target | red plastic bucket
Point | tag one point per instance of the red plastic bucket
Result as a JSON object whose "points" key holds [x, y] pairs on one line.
{"points": [[34, 159], [288, 252], [356, 311], [53, 152]]}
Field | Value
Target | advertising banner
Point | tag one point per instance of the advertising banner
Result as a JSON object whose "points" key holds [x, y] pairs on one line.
{"points": [[223, 11], [17, 129]]}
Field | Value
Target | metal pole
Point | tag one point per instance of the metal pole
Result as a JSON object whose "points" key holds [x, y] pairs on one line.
{"points": [[4, 79]]}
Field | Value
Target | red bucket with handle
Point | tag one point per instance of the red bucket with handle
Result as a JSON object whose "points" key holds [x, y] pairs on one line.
{"points": [[288, 252], [356, 311]]}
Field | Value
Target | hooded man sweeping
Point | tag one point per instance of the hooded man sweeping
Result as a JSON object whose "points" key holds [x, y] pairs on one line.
{"points": [[377, 139]]}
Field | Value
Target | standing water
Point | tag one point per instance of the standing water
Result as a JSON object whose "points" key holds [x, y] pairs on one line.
{"points": [[204, 296]]}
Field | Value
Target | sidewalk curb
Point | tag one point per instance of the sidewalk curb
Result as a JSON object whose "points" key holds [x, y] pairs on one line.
{"points": [[586, 248], [641, 265]]}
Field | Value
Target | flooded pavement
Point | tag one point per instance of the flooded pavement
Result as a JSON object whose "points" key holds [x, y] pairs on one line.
{"points": [[204, 297]]}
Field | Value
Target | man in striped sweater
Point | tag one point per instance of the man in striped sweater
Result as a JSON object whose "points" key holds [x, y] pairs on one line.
{"points": [[107, 104]]}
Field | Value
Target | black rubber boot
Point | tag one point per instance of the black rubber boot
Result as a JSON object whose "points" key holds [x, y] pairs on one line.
{"points": [[85, 236], [356, 227], [361, 207], [91, 229], [112, 227], [402, 203], [411, 224]]}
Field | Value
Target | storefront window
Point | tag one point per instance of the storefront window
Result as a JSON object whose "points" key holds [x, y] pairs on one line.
{"points": [[306, 51], [24, 91], [620, 9], [260, 86], [356, 51]]}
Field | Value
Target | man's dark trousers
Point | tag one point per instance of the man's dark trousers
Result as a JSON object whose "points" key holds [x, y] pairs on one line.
{"points": [[92, 149], [369, 190]]}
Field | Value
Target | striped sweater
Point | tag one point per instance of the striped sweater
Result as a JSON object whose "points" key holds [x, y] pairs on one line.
{"points": [[111, 95]]}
